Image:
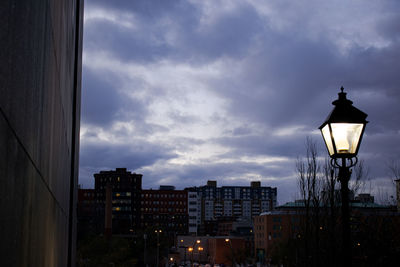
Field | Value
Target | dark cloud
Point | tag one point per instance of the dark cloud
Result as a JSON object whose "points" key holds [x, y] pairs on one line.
{"points": [[276, 74], [241, 131], [99, 156], [126, 45], [148, 10], [188, 175], [192, 41], [100, 99], [104, 101], [268, 145], [230, 35], [150, 42]]}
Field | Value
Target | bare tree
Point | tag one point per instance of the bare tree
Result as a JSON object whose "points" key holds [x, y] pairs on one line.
{"points": [[310, 185], [394, 168], [319, 192], [386, 193], [360, 176]]}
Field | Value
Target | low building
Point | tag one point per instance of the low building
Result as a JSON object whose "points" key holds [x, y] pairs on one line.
{"points": [[272, 228], [228, 251], [364, 198], [211, 249], [276, 228], [192, 248]]}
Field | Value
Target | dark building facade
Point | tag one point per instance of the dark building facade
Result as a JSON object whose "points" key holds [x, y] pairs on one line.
{"points": [[165, 209], [40, 74], [89, 213], [370, 224], [125, 190]]}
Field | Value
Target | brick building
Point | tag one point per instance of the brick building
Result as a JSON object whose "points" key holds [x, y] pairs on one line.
{"points": [[88, 211], [271, 228], [165, 208]]}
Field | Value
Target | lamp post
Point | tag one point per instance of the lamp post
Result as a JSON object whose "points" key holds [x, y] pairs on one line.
{"points": [[184, 259], [145, 250], [342, 132], [185, 248], [158, 245], [192, 250], [200, 249], [227, 240]]}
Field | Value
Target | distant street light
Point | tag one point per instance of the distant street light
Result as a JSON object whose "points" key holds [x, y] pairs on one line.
{"points": [[342, 132]]}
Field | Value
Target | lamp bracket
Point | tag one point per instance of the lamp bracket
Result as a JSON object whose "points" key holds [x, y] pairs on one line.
{"points": [[339, 164]]}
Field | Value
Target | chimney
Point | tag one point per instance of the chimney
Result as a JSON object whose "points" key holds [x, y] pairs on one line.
{"points": [[212, 183]]}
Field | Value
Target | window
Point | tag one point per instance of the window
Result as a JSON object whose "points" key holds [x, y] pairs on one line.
{"points": [[277, 219]]}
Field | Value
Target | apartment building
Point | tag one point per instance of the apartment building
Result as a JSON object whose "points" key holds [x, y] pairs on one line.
{"points": [[234, 201], [194, 212]]}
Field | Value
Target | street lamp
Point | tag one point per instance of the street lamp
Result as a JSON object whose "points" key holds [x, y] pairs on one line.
{"points": [[185, 248], [158, 232], [145, 250], [192, 249], [228, 240], [342, 132], [200, 249]]}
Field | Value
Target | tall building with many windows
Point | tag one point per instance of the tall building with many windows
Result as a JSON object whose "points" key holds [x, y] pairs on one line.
{"points": [[194, 211], [234, 201], [125, 191]]}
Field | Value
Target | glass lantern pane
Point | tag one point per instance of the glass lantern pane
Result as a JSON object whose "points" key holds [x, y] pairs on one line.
{"points": [[346, 136], [327, 137]]}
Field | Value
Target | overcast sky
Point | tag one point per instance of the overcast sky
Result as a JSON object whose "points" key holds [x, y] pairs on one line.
{"points": [[189, 91]]}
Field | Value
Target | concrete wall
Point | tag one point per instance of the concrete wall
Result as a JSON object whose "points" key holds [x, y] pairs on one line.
{"points": [[40, 73]]}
